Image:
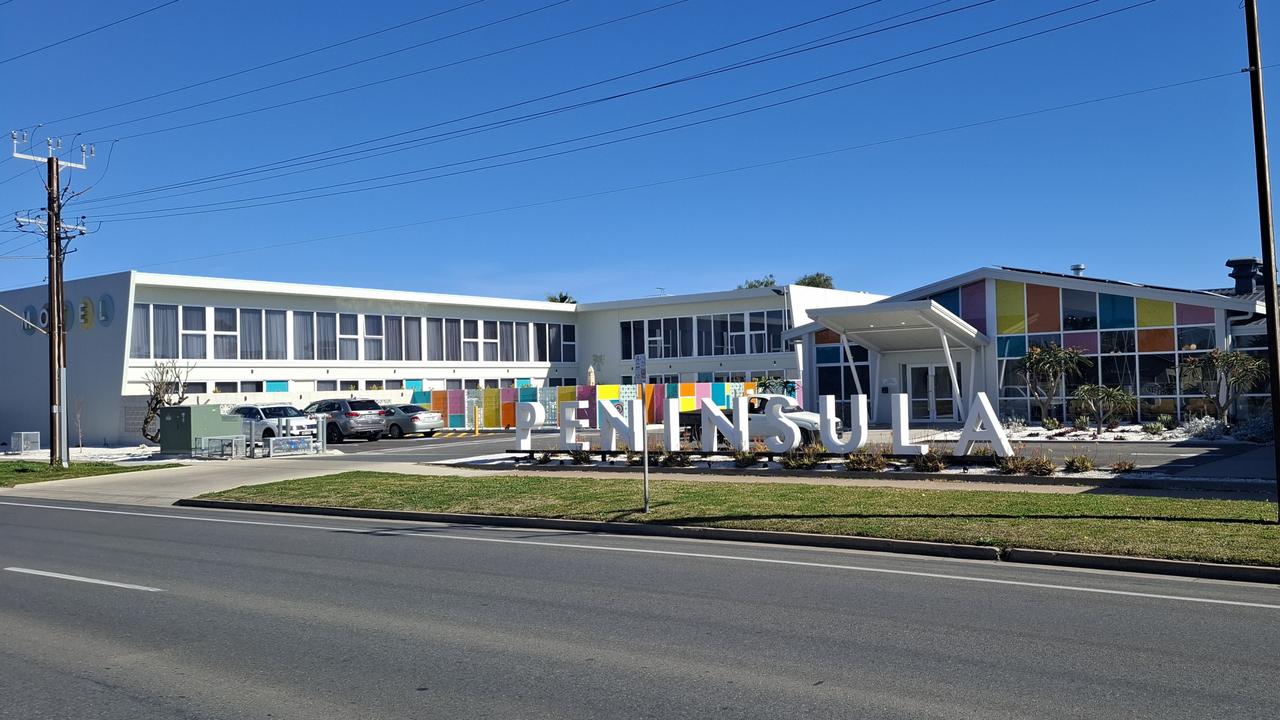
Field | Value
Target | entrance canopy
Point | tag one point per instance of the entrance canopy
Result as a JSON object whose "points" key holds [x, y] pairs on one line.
{"points": [[898, 326]]}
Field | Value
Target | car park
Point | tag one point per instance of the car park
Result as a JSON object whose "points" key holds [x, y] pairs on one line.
{"points": [[411, 420], [350, 418], [263, 422]]}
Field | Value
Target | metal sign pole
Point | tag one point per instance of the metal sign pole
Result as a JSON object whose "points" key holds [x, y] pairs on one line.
{"points": [[639, 374]]}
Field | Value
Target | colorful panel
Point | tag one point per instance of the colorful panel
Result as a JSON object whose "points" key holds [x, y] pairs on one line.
{"points": [[949, 299], [822, 337], [413, 384], [567, 392], [1011, 347], [688, 403], [1044, 313], [524, 382], [458, 421], [657, 401], [1011, 311], [277, 386], [1155, 340], [1194, 315], [686, 389], [491, 409], [701, 390], [508, 414], [1154, 313], [749, 387], [1115, 311], [1085, 342], [528, 394], [628, 392], [421, 397], [440, 401], [719, 394], [588, 393], [508, 395], [973, 305], [608, 392]]}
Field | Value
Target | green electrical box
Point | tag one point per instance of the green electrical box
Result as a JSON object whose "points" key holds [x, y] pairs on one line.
{"points": [[181, 425]]}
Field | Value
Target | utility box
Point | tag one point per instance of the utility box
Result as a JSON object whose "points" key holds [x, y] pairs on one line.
{"points": [[181, 426]]}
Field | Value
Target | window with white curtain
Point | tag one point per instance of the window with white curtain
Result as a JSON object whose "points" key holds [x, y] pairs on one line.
{"points": [[569, 342], [522, 342], [194, 341], [435, 339], [164, 331], [277, 335], [250, 334], [452, 340], [413, 339], [553, 342], [506, 342], [540, 342], [470, 340], [348, 337], [326, 336], [225, 334], [140, 341], [304, 335], [393, 337], [372, 337], [491, 340]]}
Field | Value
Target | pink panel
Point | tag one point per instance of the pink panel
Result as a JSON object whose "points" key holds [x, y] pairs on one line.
{"points": [[457, 401], [973, 305], [588, 393], [1194, 315], [702, 390], [659, 402], [508, 395], [1085, 342]]}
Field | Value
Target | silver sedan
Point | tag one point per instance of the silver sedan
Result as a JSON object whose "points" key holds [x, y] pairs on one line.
{"points": [[411, 419]]}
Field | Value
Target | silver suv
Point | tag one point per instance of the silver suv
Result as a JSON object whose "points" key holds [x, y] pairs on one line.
{"points": [[347, 418]]}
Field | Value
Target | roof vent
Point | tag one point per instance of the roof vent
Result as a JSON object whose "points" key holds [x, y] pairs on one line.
{"points": [[1246, 272], [1078, 269]]}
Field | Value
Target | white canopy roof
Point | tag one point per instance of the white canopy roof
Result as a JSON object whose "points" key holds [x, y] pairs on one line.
{"points": [[896, 326]]}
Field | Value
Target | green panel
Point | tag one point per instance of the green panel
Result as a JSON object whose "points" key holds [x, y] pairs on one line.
{"points": [[1154, 313], [1011, 307]]}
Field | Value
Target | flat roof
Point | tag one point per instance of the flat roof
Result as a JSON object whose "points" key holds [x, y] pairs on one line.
{"points": [[897, 326]]}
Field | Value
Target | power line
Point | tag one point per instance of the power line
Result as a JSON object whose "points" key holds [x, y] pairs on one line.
{"points": [[709, 174], [336, 68], [417, 142], [88, 32], [272, 63], [204, 208]]}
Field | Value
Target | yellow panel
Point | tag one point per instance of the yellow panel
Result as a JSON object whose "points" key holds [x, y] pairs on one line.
{"points": [[1154, 313], [567, 392], [492, 413], [606, 392], [688, 404], [1011, 308]]}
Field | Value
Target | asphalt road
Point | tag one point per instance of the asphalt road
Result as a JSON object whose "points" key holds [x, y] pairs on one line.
{"points": [[1168, 457], [237, 615]]}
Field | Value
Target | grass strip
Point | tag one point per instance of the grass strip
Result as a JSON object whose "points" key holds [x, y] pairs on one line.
{"points": [[18, 472], [1230, 531]]}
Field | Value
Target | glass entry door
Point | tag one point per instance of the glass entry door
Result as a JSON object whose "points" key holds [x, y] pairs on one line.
{"points": [[929, 388]]}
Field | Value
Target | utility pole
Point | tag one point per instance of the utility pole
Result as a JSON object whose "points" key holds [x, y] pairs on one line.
{"points": [[1263, 167], [56, 232]]}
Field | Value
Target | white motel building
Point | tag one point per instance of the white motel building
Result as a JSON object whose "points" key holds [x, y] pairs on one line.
{"points": [[255, 341]]}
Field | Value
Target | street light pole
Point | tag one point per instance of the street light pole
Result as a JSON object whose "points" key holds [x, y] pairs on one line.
{"points": [[1263, 169]]}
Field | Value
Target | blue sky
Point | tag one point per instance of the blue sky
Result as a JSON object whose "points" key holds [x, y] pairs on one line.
{"points": [[1154, 188]]}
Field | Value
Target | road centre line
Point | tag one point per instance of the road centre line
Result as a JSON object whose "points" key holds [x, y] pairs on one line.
{"points": [[407, 532], [79, 578]]}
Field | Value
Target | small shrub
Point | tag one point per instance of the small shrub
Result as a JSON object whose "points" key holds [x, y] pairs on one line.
{"points": [[634, 458], [1081, 422], [1039, 466], [1205, 428], [806, 458], [670, 459], [544, 458], [1078, 464], [1014, 424], [1258, 429], [1012, 465], [1153, 428], [982, 451], [866, 460], [744, 459], [580, 457], [1123, 466], [1113, 424], [1051, 424], [932, 461], [1168, 421]]}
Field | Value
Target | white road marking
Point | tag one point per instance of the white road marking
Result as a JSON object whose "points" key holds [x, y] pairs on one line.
{"points": [[1182, 455], [78, 578], [677, 553]]}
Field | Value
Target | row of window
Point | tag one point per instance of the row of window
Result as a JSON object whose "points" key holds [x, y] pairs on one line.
{"points": [[740, 333], [706, 377], [1111, 342], [1031, 308], [162, 332]]}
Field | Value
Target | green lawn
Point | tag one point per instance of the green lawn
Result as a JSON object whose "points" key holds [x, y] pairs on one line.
{"points": [[23, 471], [1236, 531]]}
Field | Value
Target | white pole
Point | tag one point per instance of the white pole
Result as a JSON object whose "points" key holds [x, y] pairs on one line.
{"points": [[644, 443], [62, 417]]}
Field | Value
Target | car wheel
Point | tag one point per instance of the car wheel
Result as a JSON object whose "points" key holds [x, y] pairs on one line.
{"points": [[395, 433], [430, 433], [333, 435], [268, 434]]}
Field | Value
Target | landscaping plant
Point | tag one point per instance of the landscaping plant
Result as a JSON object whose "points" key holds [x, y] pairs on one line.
{"points": [[1051, 424], [1104, 403], [1259, 429], [1168, 421], [1123, 466], [1153, 428], [1221, 376], [805, 458], [580, 457], [1204, 428], [670, 459], [744, 459], [1078, 464], [544, 458], [1039, 466], [932, 461], [865, 460], [1080, 422], [1046, 367]]}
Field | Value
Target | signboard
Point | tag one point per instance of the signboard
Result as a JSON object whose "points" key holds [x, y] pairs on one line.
{"points": [[279, 446], [640, 369]]}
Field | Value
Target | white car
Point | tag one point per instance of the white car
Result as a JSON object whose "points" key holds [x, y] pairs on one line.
{"points": [[263, 422], [760, 425]]}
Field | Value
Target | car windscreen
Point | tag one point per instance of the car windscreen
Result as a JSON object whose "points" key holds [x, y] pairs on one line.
{"points": [[281, 412], [363, 405]]}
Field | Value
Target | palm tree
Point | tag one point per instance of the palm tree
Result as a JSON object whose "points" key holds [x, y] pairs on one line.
{"points": [[561, 297], [1045, 368]]}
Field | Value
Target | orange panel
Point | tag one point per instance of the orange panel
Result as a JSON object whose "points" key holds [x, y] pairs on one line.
{"points": [[686, 389], [1160, 340], [1044, 313], [440, 401], [508, 415]]}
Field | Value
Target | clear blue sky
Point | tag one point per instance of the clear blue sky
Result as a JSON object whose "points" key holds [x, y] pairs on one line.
{"points": [[1156, 188]]}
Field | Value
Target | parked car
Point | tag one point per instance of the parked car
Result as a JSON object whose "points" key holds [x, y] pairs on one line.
{"points": [[760, 425], [263, 422], [348, 418], [411, 419]]}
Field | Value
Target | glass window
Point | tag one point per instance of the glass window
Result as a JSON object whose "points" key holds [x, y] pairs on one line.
{"points": [[624, 329], [435, 339], [1011, 316], [522, 341], [277, 333], [720, 333], [686, 337], [225, 347], [1195, 338], [491, 340], [1157, 375], [373, 325], [828, 355], [1014, 346], [224, 319], [349, 385], [393, 337], [553, 342], [569, 342], [194, 346], [758, 341], [506, 341], [140, 342], [193, 318], [1150, 408], [326, 336], [1079, 310], [251, 386], [1194, 315], [348, 324], [326, 386], [540, 342], [705, 333], [372, 337], [654, 347], [1119, 371], [1085, 342], [452, 340], [1087, 375], [670, 338], [470, 340], [737, 334], [949, 299], [251, 335], [1245, 342], [1043, 313], [197, 388], [1044, 341], [348, 337], [776, 324], [490, 329], [1115, 311], [304, 337], [1117, 341], [348, 348], [1013, 382], [1158, 340], [225, 387], [164, 331], [1154, 313], [413, 339]]}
